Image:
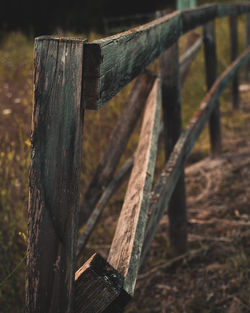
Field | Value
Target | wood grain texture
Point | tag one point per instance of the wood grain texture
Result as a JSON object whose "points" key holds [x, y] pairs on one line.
{"points": [[54, 175], [125, 250], [172, 119], [247, 70], [99, 288], [115, 183], [117, 143], [233, 26], [172, 171], [112, 62], [211, 75]]}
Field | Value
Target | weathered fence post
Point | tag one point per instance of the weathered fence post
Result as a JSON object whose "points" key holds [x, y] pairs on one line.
{"points": [[54, 176], [211, 75], [171, 103], [234, 52], [247, 45]]}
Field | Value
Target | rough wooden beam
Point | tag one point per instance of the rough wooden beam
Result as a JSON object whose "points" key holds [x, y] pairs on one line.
{"points": [[115, 183], [233, 23], [172, 171], [172, 118], [54, 176], [211, 75], [99, 288], [112, 62], [117, 143], [247, 45], [125, 250]]}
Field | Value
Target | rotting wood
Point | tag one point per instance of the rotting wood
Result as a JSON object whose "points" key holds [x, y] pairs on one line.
{"points": [[115, 183], [211, 75], [125, 250], [172, 119], [114, 61], [117, 143], [233, 23], [169, 176], [54, 176], [99, 288]]}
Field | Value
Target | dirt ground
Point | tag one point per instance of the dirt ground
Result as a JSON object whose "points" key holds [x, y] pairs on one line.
{"points": [[214, 276]]}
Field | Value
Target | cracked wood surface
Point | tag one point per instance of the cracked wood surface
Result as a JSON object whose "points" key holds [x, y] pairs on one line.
{"points": [[125, 250], [54, 176], [112, 62]]}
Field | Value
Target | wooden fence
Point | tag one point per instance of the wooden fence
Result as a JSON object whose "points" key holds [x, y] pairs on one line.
{"points": [[72, 75]]}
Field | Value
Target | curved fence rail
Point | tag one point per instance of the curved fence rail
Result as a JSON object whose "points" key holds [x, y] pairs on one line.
{"points": [[72, 75]]}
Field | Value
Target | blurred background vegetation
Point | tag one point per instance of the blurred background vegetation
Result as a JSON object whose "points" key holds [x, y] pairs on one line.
{"points": [[16, 87]]}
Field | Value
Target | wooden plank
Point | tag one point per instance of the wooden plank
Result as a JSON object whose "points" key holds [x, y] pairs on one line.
{"points": [[117, 143], [187, 58], [172, 119], [211, 75], [54, 176], [113, 62], [173, 168], [115, 183], [233, 23], [99, 288], [247, 45], [192, 18], [185, 62], [125, 250]]}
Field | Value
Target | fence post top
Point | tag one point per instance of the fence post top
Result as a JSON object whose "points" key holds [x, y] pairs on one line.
{"points": [[61, 39]]}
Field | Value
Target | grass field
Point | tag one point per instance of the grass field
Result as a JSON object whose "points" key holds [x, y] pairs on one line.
{"points": [[16, 87]]}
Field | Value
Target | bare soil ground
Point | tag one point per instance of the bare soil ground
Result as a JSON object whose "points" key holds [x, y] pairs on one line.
{"points": [[214, 276]]}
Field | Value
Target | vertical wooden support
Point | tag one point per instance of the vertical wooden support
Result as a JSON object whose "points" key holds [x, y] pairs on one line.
{"points": [[211, 75], [172, 119], [54, 176], [247, 45], [234, 53]]}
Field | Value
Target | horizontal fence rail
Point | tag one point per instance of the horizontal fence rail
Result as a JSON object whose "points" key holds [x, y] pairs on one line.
{"points": [[113, 62], [72, 75]]}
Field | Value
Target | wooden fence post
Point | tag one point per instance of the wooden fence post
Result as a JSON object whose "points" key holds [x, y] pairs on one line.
{"points": [[234, 53], [171, 103], [211, 75], [247, 45], [54, 176]]}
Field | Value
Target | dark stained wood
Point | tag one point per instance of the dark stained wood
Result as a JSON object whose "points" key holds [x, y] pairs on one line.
{"points": [[234, 53], [211, 75], [172, 119], [117, 143], [192, 18], [99, 288], [115, 183], [125, 250], [54, 175], [112, 62], [247, 70], [173, 168]]}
